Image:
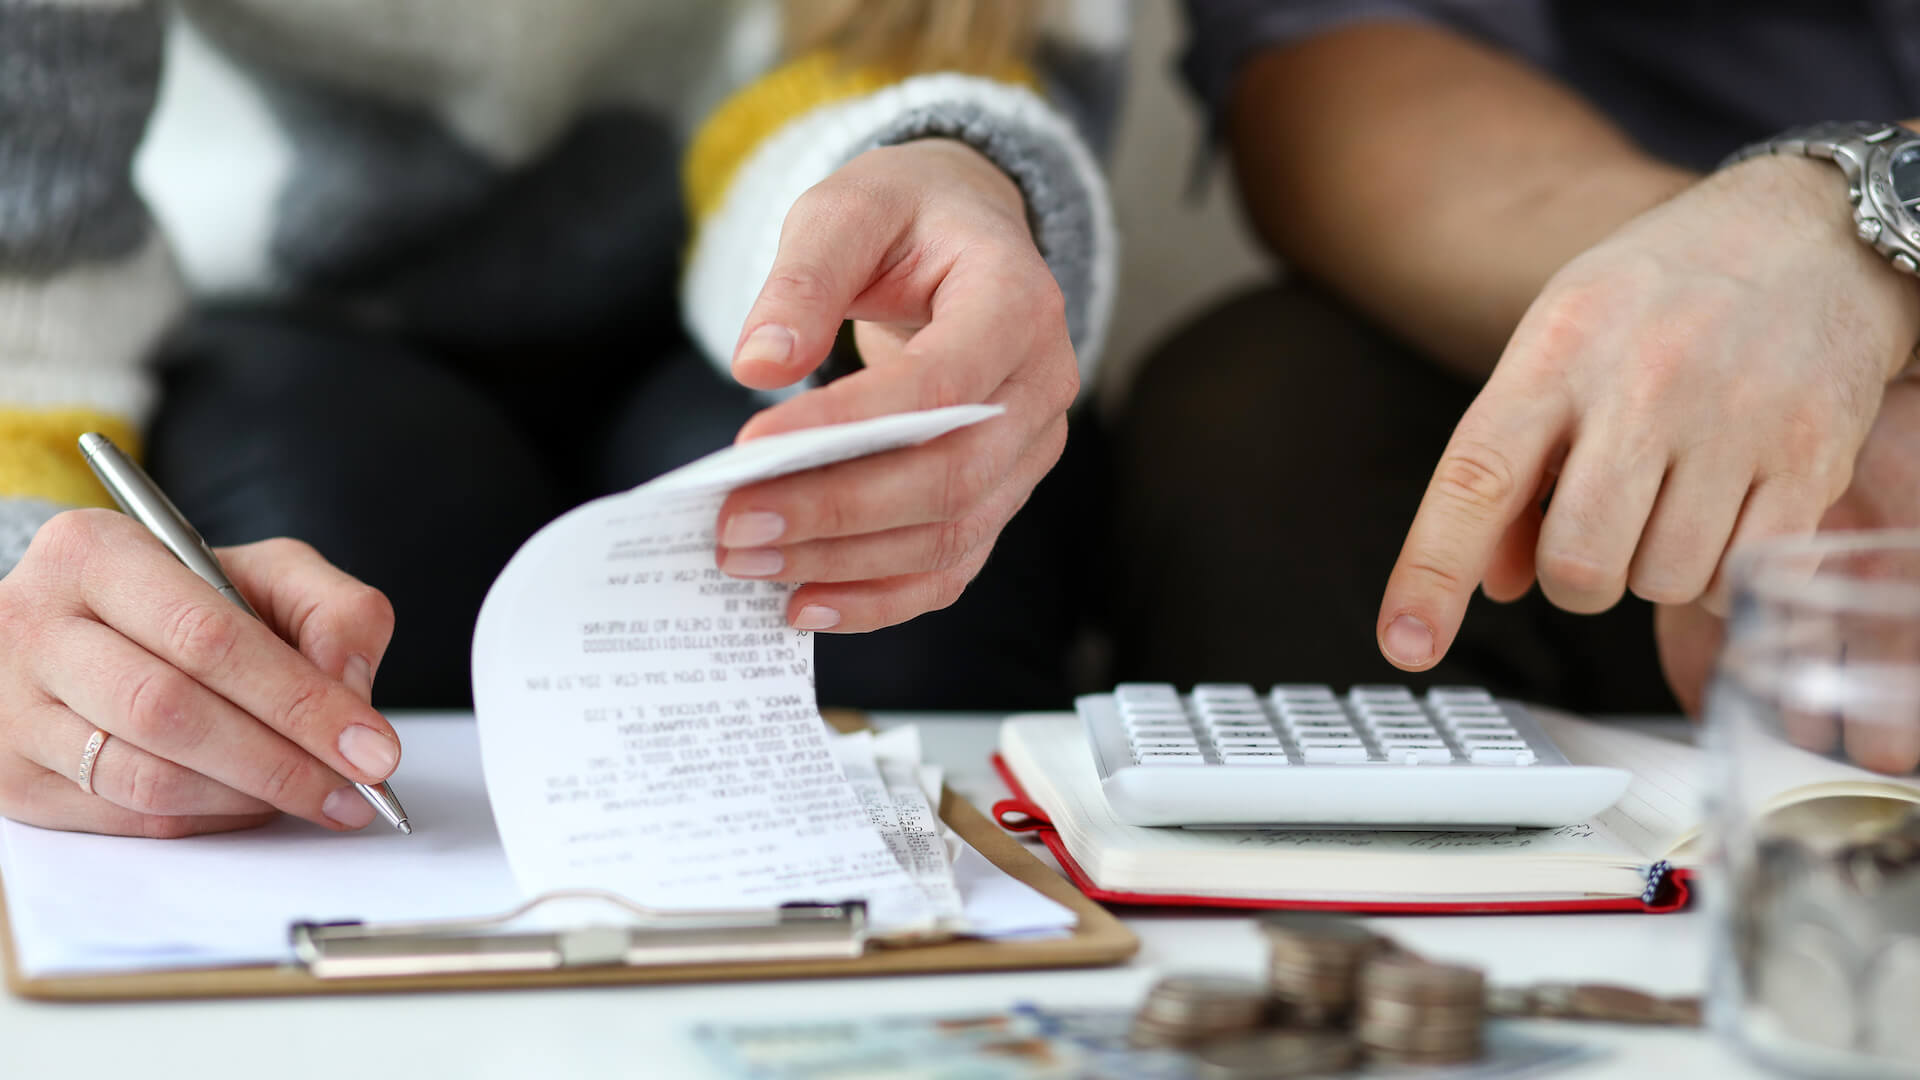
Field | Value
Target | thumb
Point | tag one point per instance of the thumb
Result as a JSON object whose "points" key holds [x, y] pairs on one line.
{"points": [[832, 248]]}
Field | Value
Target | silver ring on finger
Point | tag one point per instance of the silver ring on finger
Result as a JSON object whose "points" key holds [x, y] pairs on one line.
{"points": [[84, 775]]}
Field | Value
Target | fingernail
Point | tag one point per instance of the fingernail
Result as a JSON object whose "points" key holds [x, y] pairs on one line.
{"points": [[752, 562], [770, 344], [369, 751], [345, 806], [359, 677], [754, 528], [816, 617], [1408, 641]]}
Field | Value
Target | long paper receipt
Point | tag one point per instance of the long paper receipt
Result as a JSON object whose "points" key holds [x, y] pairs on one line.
{"points": [[648, 724]]}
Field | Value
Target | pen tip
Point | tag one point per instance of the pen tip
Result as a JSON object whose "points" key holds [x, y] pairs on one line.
{"points": [[405, 829]]}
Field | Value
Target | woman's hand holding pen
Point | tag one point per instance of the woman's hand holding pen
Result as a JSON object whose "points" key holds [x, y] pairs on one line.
{"points": [[926, 246], [216, 720]]}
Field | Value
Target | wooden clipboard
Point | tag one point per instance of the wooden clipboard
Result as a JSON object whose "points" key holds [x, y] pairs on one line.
{"points": [[1098, 939]]}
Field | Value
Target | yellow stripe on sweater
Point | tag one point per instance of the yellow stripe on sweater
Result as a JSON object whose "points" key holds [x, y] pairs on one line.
{"points": [[40, 458], [749, 117]]}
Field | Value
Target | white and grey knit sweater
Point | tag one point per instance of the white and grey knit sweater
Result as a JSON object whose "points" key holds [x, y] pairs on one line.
{"points": [[469, 171]]}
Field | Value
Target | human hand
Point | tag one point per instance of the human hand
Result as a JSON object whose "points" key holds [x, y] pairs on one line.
{"points": [[1884, 494], [215, 720], [1702, 378], [926, 246]]}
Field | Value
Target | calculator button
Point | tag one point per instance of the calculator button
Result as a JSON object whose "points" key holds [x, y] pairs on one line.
{"points": [[1246, 744], [1459, 695], [1143, 711], [1302, 692], [1170, 759], [1490, 738], [1501, 756], [1330, 740], [1418, 755], [1334, 755], [1380, 692], [1223, 692], [1388, 708], [1464, 711], [1255, 757], [1411, 727], [1409, 738], [1318, 724]]}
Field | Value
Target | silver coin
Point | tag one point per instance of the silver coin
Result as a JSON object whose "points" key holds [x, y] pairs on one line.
{"points": [[1274, 1055], [1422, 981], [1806, 982], [1893, 1001]]}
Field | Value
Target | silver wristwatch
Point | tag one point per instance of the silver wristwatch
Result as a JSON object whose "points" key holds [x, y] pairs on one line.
{"points": [[1882, 164]]}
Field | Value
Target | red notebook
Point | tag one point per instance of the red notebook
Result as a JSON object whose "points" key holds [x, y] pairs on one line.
{"points": [[1637, 856]]}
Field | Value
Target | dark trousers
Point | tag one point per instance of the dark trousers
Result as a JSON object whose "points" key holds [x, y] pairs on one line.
{"points": [[1270, 458], [421, 471]]}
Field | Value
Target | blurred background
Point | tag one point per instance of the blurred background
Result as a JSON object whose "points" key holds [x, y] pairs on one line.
{"points": [[1178, 251]]}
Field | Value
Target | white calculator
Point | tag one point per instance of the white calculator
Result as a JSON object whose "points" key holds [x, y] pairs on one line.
{"points": [[1301, 755]]}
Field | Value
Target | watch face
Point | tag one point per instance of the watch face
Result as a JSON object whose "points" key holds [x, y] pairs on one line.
{"points": [[1905, 168]]}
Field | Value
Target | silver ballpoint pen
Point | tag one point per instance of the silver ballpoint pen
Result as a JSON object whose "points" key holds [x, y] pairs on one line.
{"points": [[143, 501]]}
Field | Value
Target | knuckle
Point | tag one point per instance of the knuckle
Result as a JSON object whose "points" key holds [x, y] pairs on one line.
{"points": [[291, 775], [1574, 574], [1658, 367], [159, 827], [969, 477], [301, 715], [200, 635], [1476, 476], [158, 707], [65, 541], [1664, 586], [359, 612], [941, 385], [948, 585], [155, 787], [287, 549], [833, 515], [956, 540], [801, 283], [1436, 577]]}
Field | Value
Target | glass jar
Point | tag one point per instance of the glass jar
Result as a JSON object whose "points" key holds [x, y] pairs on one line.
{"points": [[1814, 723]]}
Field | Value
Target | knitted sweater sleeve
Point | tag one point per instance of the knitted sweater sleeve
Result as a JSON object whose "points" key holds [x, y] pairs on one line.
{"points": [[86, 282], [788, 131]]}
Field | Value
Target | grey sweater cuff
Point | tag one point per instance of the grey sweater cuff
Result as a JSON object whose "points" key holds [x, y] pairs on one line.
{"points": [[19, 520], [1067, 202]]}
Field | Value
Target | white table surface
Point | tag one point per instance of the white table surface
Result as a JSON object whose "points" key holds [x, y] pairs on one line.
{"points": [[640, 1031]]}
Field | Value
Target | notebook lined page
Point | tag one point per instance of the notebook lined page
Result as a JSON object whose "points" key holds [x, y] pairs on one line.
{"points": [[1663, 806]]}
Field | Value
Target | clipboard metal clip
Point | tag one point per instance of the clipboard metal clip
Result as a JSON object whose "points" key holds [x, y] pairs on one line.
{"points": [[638, 936]]}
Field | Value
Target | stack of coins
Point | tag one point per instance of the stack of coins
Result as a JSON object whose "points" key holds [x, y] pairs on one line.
{"points": [[1315, 962], [1414, 1012], [1186, 1010], [1274, 1055]]}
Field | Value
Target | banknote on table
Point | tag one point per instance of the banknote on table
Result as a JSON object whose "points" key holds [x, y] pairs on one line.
{"points": [[1034, 1042]]}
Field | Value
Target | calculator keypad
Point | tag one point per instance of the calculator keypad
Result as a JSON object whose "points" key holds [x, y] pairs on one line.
{"points": [[1308, 724]]}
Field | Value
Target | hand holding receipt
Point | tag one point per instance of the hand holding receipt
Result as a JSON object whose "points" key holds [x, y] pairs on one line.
{"points": [[137, 701]]}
